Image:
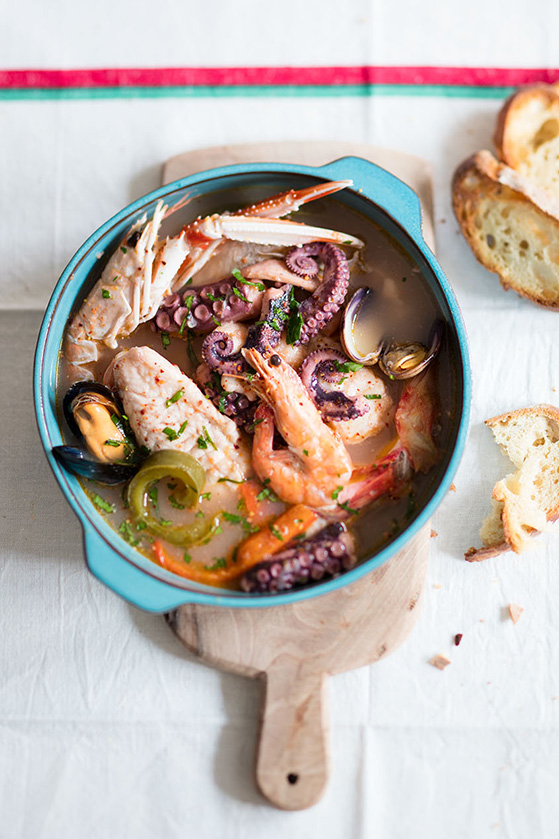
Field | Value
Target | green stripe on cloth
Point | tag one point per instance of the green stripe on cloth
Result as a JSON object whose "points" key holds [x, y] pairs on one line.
{"points": [[224, 91]]}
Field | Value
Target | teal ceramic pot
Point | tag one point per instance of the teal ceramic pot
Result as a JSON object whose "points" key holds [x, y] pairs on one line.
{"points": [[378, 195]]}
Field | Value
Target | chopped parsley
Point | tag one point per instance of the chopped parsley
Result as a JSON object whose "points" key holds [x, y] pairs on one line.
{"points": [[186, 557], [240, 279], [347, 366], [346, 242], [206, 496], [174, 398], [153, 495], [170, 432], [373, 396], [106, 293], [127, 534], [305, 452], [200, 514], [222, 403], [267, 493], [294, 327], [115, 443], [275, 532], [165, 340], [141, 525], [174, 503], [229, 481], [239, 294], [214, 298], [232, 518], [219, 563], [204, 439], [275, 325], [165, 523], [336, 493], [215, 320], [102, 504], [190, 351], [253, 425], [345, 506], [123, 249]]}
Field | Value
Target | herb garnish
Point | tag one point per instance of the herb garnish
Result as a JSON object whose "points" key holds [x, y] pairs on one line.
{"points": [[102, 504], [230, 481], [186, 557], [373, 396], [345, 506], [190, 351], [239, 294], [174, 398], [267, 493], [204, 439], [294, 327], [275, 532], [219, 563], [232, 518], [106, 293], [336, 493], [347, 366], [115, 443], [222, 403], [206, 496], [174, 503], [153, 495], [124, 250], [165, 340], [126, 532]]}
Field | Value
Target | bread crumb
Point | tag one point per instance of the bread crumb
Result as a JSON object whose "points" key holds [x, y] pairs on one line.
{"points": [[439, 661], [515, 612], [452, 488], [457, 638], [554, 389], [433, 534]]}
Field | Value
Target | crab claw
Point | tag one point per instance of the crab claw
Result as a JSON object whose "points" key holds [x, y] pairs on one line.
{"points": [[290, 201], [266, 231]]}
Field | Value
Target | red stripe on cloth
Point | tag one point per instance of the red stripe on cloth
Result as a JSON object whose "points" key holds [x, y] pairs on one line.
{"points": [[273, 76]]}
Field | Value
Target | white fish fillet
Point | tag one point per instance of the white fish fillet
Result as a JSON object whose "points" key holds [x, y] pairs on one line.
{"points": [[145, 381]]}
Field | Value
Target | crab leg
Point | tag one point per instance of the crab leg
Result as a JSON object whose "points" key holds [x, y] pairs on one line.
{"points": [[259, 224]]}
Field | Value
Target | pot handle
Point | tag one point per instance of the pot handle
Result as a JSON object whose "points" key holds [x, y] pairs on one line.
{"points": [[385, 189], [122, 577]]}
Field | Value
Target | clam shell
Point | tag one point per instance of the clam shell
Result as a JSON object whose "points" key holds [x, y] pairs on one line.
{"points": [[347, 330], [403, 361]]}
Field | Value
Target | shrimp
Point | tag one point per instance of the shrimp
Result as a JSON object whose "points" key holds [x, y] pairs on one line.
{"points": [[142, 272], [316, 461]]}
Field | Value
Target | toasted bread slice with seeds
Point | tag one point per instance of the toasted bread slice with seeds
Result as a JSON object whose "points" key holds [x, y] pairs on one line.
{"points": [[527, 136], [512, 228], [523, 501]]}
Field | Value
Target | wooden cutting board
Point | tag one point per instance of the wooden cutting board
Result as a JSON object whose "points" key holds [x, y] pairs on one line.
{"points": [[293, 649]]}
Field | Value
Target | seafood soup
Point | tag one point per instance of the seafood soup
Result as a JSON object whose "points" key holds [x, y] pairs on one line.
{"points": [[260, 398]]}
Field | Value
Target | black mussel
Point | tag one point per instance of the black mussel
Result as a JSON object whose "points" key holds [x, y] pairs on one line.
{"points": [[77, 461], [95, 417]]}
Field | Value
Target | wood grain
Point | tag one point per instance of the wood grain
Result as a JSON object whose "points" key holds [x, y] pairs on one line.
{"points": [[293, 649]]}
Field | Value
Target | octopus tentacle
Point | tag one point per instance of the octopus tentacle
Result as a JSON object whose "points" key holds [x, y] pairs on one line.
{"points": [[324, 365], [316, 311], [327, 554], [217, 347], [200, 309]]}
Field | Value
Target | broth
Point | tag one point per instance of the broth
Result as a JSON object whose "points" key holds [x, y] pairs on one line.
{"points": [[402, 298]]}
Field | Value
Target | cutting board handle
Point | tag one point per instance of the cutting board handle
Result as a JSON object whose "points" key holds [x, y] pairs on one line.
{"points": [[293, 757]]}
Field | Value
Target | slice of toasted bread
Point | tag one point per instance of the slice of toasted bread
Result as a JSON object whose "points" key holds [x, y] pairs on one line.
{"points": [[527, 135], [525, 500], [511, 229]]}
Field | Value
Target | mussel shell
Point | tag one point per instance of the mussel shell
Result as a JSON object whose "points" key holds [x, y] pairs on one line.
{"points": [[347, 330], [403, 361], [77, 462], [81, 389]]}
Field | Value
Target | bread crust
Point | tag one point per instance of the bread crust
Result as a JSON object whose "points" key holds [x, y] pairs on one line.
{"points": [[543, 410], [511, 148], [481, 178]]}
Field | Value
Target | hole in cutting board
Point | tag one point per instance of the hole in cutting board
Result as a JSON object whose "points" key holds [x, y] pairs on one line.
{"points": [[292, 778]]}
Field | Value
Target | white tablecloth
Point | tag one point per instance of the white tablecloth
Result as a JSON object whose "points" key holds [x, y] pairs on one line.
{"points": [[107, 727]]}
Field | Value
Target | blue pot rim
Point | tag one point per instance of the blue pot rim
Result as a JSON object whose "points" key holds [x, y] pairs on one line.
{"points": [[177, 593]]}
